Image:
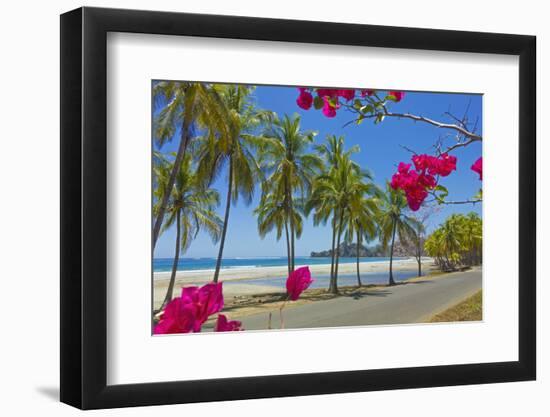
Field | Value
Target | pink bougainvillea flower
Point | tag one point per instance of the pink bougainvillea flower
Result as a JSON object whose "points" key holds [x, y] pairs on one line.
{"points": [[305, 99], [367, 93], [188, 312], [178, 317], [427, 180], [403, 168], [347, 94], [416, 183], [445, 164], [478, 167], [442, 165], [327, 92], [398, 95], [416, 196], [297, 282], [208, 299], [423, 162], [224, 325], [396, 181], [328, 109]]}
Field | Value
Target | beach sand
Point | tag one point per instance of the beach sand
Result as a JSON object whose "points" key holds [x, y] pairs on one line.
{"points": [[187, 278]]}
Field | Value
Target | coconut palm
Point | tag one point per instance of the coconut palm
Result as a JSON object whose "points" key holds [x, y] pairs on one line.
{"points": [[234, 149], [272, 214], [290, 169], [337, 194], [393, 220], [183, 107], [191, 207], [456, 242], [473, 238], [419, 230], [452, 239], [361, 222], [332, 150]]}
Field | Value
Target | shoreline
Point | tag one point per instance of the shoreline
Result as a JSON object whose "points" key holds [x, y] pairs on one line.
{"points": [[247, 273]]}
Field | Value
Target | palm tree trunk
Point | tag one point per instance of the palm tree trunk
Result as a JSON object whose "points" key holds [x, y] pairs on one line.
{"points": [[291, 219], [170, 290], [182, 149], [335, 287], [332, 283], [394, 226], [419, 257], [225, 221], [358, 274], [288, 248], [332, 254]]}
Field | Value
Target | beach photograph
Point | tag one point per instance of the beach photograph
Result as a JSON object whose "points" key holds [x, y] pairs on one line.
{"points": [[304, 207]]}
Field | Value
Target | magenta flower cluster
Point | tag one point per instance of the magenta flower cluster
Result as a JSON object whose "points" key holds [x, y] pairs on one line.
{"points": [[188, 313], [478, 167], [331, 97], [416, 182], [297, 282]]}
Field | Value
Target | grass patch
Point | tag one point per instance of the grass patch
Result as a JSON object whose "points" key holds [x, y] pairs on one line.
{"points": [[468, 310]]}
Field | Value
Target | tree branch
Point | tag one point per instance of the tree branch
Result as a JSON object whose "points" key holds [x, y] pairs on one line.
{"points": [[465, 132], [460, 145], [474, 201], [463, 202], [460, 128]]}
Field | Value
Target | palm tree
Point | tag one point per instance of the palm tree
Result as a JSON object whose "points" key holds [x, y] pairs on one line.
{"points": [[452, 239], [332, 150], [393, 221], [473, 235], [419, 230], [338, 193], [234, 148], [183, 106], [457, 241], [361, 223], [289, 168], [191, 207], [272, 214]]}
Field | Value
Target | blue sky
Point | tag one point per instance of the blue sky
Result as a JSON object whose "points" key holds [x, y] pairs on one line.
{"points": [[381, 151]]}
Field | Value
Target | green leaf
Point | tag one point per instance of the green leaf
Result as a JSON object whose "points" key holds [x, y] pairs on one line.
{"points": [[479, 195], [379, 118], [367, 109], [360, 120], [318, 102], [443, 193], [441, 188], [357, 104], [391, 98]]}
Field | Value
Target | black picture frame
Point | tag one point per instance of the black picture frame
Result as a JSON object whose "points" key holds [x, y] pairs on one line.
{"points": [[84, 207]]}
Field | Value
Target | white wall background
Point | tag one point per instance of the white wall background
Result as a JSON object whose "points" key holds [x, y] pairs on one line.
{"points": [[29, 207]]}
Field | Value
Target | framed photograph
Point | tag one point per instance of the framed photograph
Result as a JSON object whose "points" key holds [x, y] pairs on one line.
{"points": [[259, 208]]}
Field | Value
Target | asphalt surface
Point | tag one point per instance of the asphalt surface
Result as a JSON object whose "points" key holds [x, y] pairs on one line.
{"points": [[413, 302]]}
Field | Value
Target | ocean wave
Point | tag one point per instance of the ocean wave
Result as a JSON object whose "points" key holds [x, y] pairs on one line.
{"points": [[246, 258], [242, 267]]}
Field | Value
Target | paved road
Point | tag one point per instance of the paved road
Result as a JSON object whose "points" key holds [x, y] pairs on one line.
{"points": [[409, 303]]}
